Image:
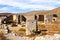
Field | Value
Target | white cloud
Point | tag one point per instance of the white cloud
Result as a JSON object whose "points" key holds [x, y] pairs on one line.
{"points": [[39, 1], [4, 8], [11, 3], [24, 5]]}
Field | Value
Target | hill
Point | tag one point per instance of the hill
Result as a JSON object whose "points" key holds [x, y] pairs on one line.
{"points": [[56, 11]]}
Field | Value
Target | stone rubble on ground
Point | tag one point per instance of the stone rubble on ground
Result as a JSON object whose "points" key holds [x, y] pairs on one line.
{"points": [[13, 36], [49, 37], [46, 37]]}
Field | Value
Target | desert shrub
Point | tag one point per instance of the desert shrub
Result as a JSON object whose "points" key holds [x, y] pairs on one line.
{"points": [[33, 31], [43, 33], [43, 26], [22, 29]]}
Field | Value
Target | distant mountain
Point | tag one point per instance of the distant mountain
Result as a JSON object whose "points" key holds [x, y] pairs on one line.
{"points": [[5, 13]]}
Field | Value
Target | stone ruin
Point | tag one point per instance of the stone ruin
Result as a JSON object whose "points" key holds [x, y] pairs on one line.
{"points": [[30, 25]]}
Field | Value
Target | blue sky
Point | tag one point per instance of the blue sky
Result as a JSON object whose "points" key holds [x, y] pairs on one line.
{"points": [[27, 5]]}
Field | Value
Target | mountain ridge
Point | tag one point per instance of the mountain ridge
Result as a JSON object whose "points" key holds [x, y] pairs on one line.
{"points": [[56, 10]]}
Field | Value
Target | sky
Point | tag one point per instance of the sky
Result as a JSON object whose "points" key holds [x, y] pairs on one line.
{"points": [[27, 5]]}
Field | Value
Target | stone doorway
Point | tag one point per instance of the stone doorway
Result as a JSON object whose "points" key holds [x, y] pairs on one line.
{"points": [[41, 18]]}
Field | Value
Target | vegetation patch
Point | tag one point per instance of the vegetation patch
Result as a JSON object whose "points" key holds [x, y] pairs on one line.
{"points": [[22, 29]]}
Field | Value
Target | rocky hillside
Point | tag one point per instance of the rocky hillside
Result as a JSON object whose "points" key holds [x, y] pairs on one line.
{"points": [[56, 10]]}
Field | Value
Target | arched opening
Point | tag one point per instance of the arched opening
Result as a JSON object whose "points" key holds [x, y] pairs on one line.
{"points": [[41, 18], [55, 15], [54, 19], [23, 18]]}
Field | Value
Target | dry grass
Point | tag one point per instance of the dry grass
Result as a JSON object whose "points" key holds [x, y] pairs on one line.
{"points": [[53, 28], [17, 30], [2, 37]]}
